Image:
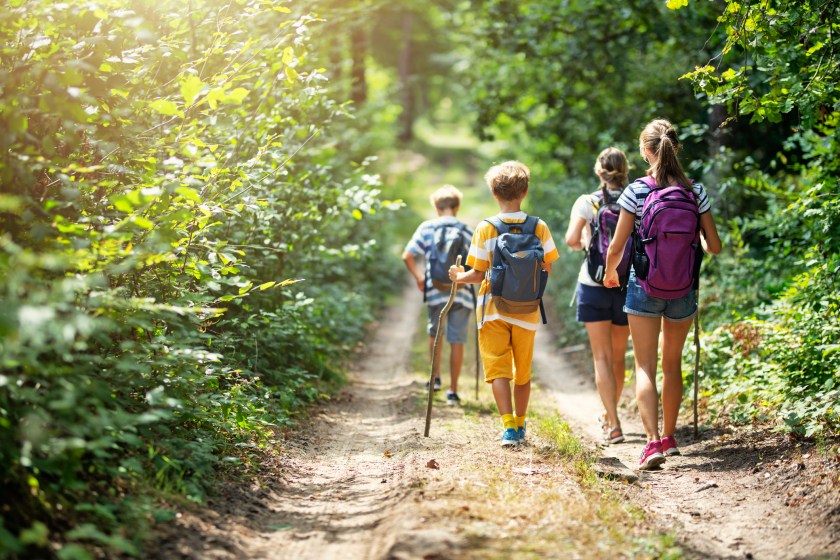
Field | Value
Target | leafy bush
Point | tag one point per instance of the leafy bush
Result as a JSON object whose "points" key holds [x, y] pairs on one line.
{"points": [[185, 257]]}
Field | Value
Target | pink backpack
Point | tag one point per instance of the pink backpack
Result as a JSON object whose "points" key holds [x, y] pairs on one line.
{"points": [[667, 250]]}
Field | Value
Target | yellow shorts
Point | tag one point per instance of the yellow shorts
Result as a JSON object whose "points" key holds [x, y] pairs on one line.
{"points": [[506, 351]]}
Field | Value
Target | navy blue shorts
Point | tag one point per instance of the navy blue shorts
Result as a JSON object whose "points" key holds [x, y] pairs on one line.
{"points": [[597, 303]]}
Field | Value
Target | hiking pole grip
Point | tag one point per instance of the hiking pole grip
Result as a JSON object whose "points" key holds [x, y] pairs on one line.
{"points": [[435, 349]]}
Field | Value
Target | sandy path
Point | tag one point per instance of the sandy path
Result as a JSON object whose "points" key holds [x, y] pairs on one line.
{"points": [[725, 497]]}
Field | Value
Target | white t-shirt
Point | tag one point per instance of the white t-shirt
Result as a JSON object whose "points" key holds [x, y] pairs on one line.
{"points": [[585, 207]]}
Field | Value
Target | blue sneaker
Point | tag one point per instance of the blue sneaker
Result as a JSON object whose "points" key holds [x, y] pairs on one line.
{"points": [[522, 433], [510, 437]]}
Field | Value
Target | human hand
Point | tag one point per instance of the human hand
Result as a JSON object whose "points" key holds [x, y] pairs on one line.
{"points": [[421, 284], [611, 279], [454, 271]]}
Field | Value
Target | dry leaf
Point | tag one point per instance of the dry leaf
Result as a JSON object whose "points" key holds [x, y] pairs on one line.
{"points": [[387, 453], [432, 464]]}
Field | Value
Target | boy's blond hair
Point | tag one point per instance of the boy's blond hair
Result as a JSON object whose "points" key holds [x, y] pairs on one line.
{"points": [[446, 197], [508, 180]]}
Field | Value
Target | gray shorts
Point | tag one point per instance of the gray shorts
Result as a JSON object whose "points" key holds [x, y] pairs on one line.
{"points": [[457, 322]]}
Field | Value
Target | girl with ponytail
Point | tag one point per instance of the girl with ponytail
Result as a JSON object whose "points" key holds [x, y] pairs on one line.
{"points": [[648, 315], [600, 309]]}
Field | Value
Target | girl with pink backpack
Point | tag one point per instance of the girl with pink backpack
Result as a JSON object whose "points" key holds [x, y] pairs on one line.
{"points": [[671, 223]]}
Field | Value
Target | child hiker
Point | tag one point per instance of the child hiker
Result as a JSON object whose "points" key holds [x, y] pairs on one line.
{"points": [[661, 290], [439, 241], [510, 295], [601, 310]]}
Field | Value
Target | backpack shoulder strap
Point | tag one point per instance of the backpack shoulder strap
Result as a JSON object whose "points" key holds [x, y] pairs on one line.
{"points": [[648, 180], [529, 226], [499, 224]]}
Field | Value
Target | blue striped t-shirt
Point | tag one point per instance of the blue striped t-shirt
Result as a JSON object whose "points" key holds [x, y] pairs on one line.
{"points": [[421, 244]]}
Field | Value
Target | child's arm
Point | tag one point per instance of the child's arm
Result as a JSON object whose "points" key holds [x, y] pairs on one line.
{"points": [[575, 237], [411, 264], [459, 275]]}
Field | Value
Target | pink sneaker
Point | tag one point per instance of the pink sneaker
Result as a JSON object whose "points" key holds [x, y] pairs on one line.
{"points": [[651, 456], [669, 446]]}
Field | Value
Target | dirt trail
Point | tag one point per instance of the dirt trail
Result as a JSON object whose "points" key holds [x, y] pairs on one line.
{"points": [[351, 482], [727, 495], [340, 493]]}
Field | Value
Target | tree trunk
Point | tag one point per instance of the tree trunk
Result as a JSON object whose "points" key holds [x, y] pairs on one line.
{"points": [[358, 53], [407, 117]]}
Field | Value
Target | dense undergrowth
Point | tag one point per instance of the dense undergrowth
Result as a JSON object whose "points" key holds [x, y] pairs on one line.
{"points": [[187, 254]]}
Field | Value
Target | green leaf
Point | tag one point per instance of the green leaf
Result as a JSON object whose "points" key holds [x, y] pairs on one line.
{"points": [[676, 4], [357, 214], [291, 74], [190, 88], [165, 107], [266, 285], [236, 96], [288, 55]]}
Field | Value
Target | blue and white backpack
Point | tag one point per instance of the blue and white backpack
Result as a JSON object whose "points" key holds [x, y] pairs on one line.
{"points": [[517, 280], [448, 241]]}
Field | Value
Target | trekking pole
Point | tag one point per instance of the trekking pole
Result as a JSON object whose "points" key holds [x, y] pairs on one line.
{"points": [[477, 362], [696, 361], [443, 313]]}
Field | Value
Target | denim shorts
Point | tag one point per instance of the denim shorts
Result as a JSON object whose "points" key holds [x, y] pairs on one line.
{"points": [[643, 305], [457, 321], [597, 303]]}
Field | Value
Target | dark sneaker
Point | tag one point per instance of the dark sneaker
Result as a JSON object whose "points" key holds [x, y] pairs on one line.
{"points": [[651, 456], [510, 437], [437, 384], [669, 446], [452, 399]]}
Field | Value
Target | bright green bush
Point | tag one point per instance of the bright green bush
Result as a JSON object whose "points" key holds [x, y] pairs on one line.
{"points": [[185, 257]]}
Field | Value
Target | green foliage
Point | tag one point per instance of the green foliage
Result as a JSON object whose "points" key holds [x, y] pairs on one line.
{"points": [[778, 360], [186, 256]]}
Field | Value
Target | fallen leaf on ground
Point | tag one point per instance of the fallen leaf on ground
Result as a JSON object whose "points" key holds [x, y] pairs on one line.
{"points": [[387, 453], [529, 471], [432, 464]]}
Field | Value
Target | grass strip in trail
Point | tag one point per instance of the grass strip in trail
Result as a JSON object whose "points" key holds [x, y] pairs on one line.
{"points": [[541, 500]]}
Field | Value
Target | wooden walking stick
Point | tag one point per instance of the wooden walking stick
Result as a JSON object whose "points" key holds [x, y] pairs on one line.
{"points": [[696, 361], [477, 363], [443, 313]]}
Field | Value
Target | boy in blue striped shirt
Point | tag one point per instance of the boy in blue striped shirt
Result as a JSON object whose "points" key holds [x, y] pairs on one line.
{"points": [[446, 201]]}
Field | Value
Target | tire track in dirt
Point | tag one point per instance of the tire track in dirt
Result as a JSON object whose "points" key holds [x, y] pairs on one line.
{"points": [[713, 497]]}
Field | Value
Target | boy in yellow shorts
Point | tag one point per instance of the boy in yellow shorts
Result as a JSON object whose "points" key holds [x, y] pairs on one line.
{"points": [[506, 335]]}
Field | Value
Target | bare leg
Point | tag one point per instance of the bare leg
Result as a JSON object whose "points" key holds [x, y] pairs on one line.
{"points": [[600, 340], [521, 396], [456, 359], [619, 348], [673, 339], [501, 392], [645, 333]]}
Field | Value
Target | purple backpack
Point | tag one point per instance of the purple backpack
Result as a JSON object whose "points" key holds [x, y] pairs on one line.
{"points": [[603, 229], [667, 249]]}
